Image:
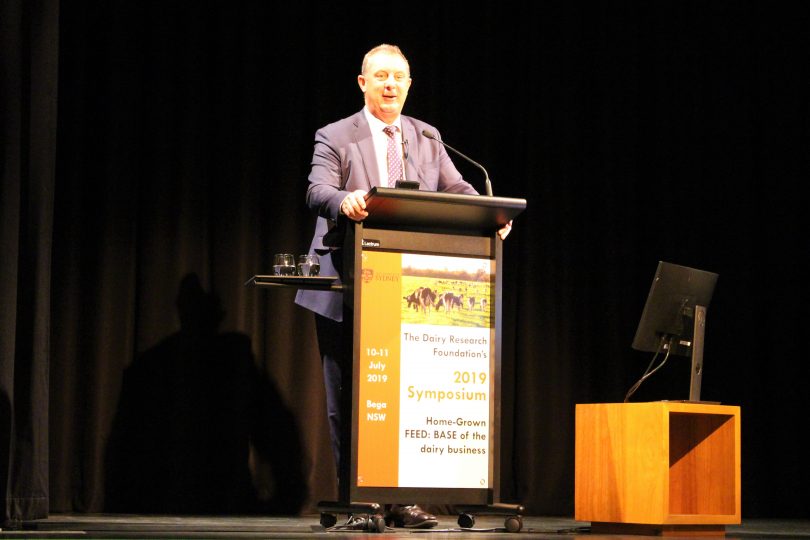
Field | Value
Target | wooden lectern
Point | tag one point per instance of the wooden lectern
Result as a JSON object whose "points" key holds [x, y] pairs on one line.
{"points": [[657, 468]]}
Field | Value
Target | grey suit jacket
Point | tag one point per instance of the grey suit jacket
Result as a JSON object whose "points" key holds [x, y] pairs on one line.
{"points": [[343, 161]]}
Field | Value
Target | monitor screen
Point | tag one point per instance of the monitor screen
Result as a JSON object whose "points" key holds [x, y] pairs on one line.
{"points": [[667, 322]]}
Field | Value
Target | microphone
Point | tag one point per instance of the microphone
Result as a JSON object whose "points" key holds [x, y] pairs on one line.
{"points": [[487, 183], [404, 183]]}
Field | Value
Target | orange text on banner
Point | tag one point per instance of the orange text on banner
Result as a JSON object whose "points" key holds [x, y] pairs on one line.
{"points": [[378, 407]]}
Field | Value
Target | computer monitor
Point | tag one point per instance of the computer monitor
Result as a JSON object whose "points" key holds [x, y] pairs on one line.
{"points": [[674, 316]]}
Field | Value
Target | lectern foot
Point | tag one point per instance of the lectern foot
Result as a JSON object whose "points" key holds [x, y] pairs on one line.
{"points": [[512, 512]]}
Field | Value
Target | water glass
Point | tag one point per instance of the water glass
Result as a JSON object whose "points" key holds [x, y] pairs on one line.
{"points": [[283, 264], [308, 265]]}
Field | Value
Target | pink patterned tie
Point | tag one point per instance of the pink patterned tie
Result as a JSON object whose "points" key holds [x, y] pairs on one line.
{"points": [[394, 157]]}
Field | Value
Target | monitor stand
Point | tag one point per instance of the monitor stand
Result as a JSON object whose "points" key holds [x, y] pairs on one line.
{"points": [[697, 354], [696, 376]]}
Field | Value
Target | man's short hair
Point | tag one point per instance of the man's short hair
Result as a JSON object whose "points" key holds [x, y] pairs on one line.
{"points": [[384, 47]]}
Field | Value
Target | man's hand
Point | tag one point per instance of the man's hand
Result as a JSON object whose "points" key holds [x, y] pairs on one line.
{"points": [[504, 231], [354, 205]]}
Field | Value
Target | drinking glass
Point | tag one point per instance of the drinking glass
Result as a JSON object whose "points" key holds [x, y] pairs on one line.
{"points": [[308, 265], [283, 264]]}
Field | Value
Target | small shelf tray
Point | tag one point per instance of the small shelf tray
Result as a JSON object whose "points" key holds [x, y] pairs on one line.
{"points": [[300, 282]]}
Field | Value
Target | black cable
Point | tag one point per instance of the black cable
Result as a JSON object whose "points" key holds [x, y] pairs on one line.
{"points": [[648, 372]]}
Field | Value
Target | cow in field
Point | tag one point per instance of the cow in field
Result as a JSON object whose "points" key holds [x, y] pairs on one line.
{"points": [[421, 299], [413, 298], [426, 299], [450, 301]]}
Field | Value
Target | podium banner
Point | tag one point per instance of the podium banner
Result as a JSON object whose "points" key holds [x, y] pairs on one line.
{"points": [[426, 386]]}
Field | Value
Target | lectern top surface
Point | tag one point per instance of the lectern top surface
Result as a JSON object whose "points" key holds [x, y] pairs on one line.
{"points": [[387, 206]]}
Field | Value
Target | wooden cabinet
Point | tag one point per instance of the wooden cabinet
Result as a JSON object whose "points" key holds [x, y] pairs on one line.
{"points": [[657, 467]]}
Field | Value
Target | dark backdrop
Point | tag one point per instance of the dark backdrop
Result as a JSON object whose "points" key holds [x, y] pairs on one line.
{"points": [[637, 132]]}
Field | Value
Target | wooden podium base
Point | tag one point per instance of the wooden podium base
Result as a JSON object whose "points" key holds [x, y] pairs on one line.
{"points": [[598, 527]]}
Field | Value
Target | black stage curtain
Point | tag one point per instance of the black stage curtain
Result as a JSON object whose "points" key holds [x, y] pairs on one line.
{"points": [[28, 86], [637, 132]]}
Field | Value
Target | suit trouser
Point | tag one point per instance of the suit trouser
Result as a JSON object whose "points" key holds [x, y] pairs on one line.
{"points": [[335, 345]]}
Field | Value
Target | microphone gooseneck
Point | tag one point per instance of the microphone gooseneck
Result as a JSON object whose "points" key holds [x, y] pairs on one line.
{"points": [[487, 184]]}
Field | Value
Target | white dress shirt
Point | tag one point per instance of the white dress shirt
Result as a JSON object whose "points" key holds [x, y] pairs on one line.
{"points": [[380, 140]]}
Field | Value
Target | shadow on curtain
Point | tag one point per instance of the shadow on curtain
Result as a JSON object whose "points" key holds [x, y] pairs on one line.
{"points": [[199, 429]]}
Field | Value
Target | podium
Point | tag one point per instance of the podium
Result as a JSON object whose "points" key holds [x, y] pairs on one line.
{"points": [[657, 468], [422, 282]]}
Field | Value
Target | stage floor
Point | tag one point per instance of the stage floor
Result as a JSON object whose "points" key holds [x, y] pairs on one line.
{"points": [[135, 526]]}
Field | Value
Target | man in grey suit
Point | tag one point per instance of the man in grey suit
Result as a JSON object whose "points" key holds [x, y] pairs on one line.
{"points": [[374, 147]]}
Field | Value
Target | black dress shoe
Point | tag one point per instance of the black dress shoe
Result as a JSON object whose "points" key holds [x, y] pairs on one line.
{"points": [[362, 522], [410, 517]]}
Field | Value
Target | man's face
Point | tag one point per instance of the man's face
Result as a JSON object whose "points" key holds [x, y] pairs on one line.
{"points": [[385, 85]]}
